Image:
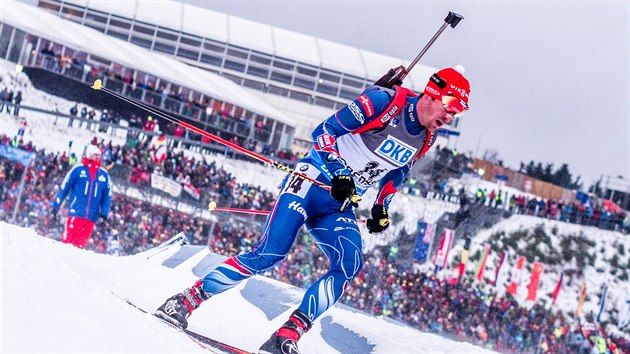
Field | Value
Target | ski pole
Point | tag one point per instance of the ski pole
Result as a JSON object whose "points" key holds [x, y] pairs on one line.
{"points": [[395, 76], [212, 206], [98, 85]]}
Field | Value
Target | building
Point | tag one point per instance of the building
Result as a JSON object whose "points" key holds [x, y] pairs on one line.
{"points": [[304, 77]]}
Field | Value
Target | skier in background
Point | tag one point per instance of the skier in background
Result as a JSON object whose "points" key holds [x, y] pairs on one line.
{"points": [[90, 197], [374, 139]]}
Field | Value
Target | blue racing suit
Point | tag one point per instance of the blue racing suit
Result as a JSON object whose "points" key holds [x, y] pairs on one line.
{"points": [[90, 192], [384, 153]]}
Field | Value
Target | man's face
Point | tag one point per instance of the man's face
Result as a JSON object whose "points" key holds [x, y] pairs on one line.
{"points": [[95, 157], [432, 113]]}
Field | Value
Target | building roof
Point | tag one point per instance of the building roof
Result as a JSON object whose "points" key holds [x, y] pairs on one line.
{"points": [[39, 22], [265, 38]]}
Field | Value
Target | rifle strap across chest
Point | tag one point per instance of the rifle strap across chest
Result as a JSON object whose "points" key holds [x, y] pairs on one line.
{"points": [[394, 108]]}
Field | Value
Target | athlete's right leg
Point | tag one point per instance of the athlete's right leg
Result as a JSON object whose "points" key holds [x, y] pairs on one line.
{"points": [[279, 232]]}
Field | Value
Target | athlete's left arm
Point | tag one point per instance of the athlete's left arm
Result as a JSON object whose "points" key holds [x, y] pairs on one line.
{"points": [[390, 184]]}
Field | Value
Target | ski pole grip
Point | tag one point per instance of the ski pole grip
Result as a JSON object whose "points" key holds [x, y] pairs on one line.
{"points": [[453, 19], [345, 204]]}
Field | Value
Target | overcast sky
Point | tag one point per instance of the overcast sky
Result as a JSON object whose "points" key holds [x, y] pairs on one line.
{"points": [[549, 80]]}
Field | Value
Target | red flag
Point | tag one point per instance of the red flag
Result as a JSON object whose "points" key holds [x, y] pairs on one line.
{"points": [[533, 283], [445, 245], [158, 148], [580, 307], [499, 270], [556, 291], [516, 277], [482, 262]]}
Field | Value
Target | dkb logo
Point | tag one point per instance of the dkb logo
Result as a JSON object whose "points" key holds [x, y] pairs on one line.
{"points": [[396, 151]]}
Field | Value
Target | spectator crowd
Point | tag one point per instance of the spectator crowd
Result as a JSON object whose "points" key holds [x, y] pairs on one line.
{"points": [[463, 312], [593, 213]]}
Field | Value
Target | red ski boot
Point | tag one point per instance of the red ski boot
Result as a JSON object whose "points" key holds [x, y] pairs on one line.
{"points": [[284, 340]]}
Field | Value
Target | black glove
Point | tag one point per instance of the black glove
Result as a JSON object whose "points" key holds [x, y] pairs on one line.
{"points": [[379, 221], [342, 188]]}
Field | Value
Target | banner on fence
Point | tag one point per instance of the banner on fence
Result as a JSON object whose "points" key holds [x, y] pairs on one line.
{"points": [[192, 191], [166, 185]]}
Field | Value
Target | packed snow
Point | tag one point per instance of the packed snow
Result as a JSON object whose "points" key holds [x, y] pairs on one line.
{"points": [[57, 298]]}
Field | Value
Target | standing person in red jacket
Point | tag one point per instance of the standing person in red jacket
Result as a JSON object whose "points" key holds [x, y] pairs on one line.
{"points": [[89, 188]]}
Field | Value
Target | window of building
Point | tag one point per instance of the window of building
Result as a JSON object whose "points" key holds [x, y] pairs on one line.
{"points": [[283, 64], [187, 54], [169, 35], [164, 48], [141, 42], [214, 46], [349, 94], [307, 70], [304, 83], [5, 37], [260, 58], [300, 96], [184, 93], [278, 90], [327, 89], [93, 16], [358, 83], [211, 59], [16, 47], [254, 84], [257, 71], [144, 30], [71, 11], [116, 34], [190, 40], [330, 77], [120, 23], [49, 5], [281, 77], [237, 53], [232, 65], [324, 102]]}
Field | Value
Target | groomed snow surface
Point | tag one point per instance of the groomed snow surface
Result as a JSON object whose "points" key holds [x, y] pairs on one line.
{"points": [[56, 298]]}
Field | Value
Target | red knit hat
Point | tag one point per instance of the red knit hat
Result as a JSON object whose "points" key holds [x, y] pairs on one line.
{"points": [[449, 82]]}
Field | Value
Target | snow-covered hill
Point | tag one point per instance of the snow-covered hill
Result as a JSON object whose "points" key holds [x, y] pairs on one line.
{"points": [[557, 245], [56, 298]]}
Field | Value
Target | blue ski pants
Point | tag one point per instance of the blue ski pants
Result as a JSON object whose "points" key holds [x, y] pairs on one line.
{"points": [[336, 233]]}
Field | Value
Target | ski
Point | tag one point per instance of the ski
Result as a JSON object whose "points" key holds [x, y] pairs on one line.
{"points": [[203, 341]]}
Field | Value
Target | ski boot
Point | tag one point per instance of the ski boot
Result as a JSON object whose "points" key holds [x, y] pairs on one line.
{"points": [[178, 307], [284, 340]]}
